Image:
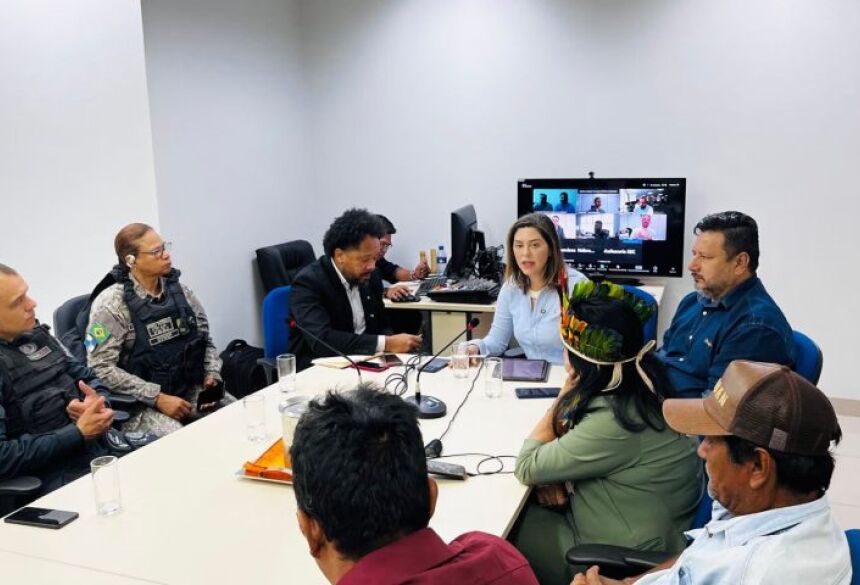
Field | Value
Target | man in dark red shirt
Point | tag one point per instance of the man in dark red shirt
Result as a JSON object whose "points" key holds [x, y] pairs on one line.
{"points": [[365, 500]]}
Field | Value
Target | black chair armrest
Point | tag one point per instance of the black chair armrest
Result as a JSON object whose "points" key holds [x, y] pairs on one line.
{"points": [[616, 562], [270, 369], [645, 560], [24, 485]]}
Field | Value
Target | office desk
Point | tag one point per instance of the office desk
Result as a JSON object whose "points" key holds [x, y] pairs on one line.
{"points": [[187, 518], [448, 319]]}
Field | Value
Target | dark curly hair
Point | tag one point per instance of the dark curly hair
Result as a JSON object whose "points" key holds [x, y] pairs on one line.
{"points": [[350, 229]]}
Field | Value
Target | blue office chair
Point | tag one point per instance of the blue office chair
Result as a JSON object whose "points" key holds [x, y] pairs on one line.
{"points": [[808, 358], [650, 327], [853, 537], [276, 330]]}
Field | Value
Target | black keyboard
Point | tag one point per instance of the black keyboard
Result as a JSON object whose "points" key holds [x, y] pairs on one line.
{"points": [[478, 291], [429, 284]]}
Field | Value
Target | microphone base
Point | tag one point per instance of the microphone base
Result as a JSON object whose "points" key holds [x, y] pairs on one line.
{"points": [[428, 407]]}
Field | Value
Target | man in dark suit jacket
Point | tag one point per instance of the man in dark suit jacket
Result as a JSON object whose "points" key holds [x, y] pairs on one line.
{"points": [[338, 298]]}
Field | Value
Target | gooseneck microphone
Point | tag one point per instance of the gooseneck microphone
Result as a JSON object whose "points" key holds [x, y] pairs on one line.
{"points": [[293, 325], [428, 406]]}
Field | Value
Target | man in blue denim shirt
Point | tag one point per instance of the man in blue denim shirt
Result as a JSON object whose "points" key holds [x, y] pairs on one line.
{"points": [[767, 454], [730, 316]]}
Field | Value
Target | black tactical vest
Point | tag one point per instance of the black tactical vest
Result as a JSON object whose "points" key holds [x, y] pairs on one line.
{"points": [[39, 388], [168, 348]]}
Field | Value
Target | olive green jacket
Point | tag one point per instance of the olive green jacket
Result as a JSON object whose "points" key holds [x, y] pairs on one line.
{"points": [[631, 489]]}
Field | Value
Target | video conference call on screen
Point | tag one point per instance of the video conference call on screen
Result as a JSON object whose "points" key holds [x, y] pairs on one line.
{"points": [[616, 226]]}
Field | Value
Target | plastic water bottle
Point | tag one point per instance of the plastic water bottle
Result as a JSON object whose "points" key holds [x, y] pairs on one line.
{"points": [[441, 260]]}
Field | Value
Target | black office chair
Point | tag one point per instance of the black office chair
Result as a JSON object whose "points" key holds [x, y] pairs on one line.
{"points": [[279, 264], [17, 492]]}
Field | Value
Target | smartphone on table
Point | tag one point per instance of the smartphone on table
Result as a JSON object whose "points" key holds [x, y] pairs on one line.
{"points": [[537, 392], [436, 365], [369, 366], [42, 517]]}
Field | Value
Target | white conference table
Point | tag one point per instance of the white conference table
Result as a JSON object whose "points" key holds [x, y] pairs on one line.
{"points": [[27, 570], [449, 319], [187, 519]]}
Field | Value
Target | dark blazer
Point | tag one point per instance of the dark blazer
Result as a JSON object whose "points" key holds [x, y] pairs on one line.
{"points": [[320, 305]]}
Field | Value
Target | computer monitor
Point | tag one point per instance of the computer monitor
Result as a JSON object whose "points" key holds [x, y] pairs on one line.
{"points": [[466, 240], [624, 227]]}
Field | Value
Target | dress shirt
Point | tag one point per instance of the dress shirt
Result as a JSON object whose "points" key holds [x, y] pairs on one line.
{"points": [[706, 335], [422, 558], [535, 329], [353, 293], [796, 544]]}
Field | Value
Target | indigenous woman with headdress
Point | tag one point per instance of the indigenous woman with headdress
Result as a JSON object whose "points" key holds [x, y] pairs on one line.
{"points": [[606, 467]]}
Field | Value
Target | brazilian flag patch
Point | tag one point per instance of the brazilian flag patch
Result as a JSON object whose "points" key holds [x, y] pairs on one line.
{"points": [[96, 335]]}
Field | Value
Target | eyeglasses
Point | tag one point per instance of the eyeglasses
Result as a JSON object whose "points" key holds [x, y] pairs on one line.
{"points": [[159, 251]]}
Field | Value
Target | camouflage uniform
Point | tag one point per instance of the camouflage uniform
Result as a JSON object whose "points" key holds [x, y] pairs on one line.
{"points": [[108, 352]]}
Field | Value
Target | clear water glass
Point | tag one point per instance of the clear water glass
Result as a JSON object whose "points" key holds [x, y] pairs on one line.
{"points": [[493, 377]]}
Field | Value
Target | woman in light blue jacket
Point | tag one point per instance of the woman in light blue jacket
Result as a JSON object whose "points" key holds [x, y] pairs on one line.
{"points": [[528, 307]]}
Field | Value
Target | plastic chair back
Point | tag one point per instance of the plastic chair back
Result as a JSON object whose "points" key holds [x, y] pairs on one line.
{"points": [[66, 314], [650, 327], [853, 537], [808, 358], [276, 330], [279, 264]]}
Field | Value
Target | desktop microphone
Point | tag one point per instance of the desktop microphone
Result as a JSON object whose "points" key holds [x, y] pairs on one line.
{"points": [[293, 325], [428, 406]]}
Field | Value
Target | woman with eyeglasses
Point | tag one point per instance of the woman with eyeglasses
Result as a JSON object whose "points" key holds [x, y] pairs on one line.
{"points": [[148, 335]]}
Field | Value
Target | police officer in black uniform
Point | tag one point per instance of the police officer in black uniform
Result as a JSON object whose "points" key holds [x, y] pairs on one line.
{"points": [[50, 412]]}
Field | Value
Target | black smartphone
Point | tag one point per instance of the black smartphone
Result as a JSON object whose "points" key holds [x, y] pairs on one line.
{"points": [[43, 517], [210, 395], [371, 366], [535, 392], [436, 365]]}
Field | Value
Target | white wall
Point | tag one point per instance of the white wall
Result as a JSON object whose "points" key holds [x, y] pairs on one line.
{"points": [[419, 106], [228, 117], [272, 116], [75, 145]]}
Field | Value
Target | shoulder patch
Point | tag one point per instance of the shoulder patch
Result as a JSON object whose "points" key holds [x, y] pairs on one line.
{"points": [[96, 335]]}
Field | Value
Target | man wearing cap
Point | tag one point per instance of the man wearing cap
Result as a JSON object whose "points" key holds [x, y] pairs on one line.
{"points": [[767, 434], [730, 315]]}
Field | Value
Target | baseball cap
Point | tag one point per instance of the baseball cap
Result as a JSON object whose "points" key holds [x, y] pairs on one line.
{"points": [[766, 404]]}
